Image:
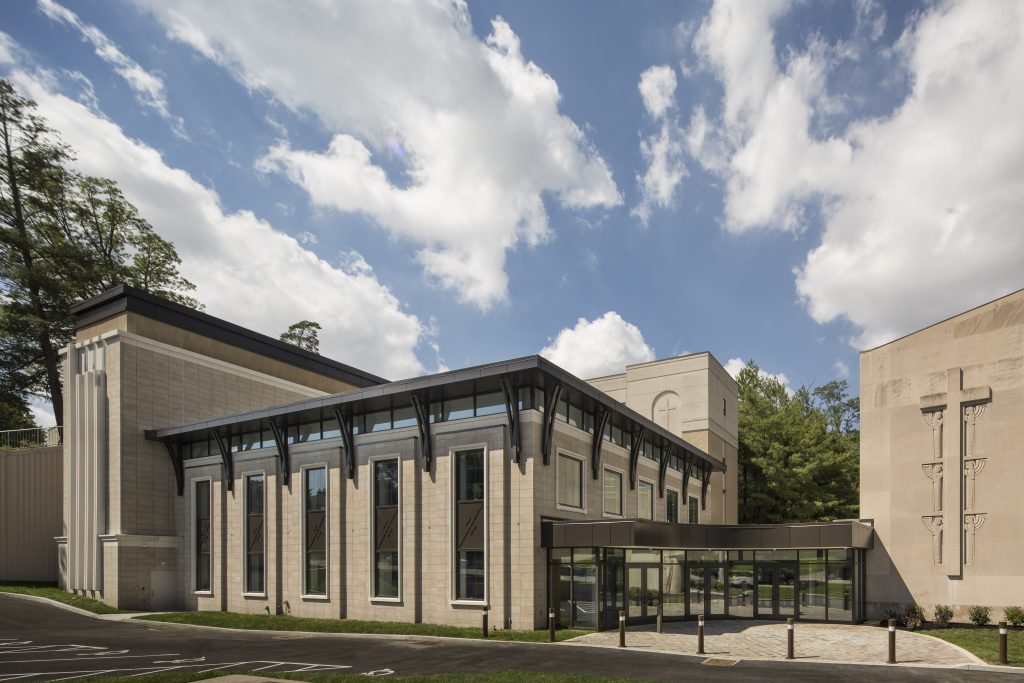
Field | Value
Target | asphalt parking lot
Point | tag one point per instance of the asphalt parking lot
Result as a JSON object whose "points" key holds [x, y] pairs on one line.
{"points": [[40, 642]]}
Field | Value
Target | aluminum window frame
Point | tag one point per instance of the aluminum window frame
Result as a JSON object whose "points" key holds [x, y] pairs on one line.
{"points": [[622, 496], [194, 517], [560, 453], [640, 482], [245, 534], [372, 578], [453, 552], [305, 594]]}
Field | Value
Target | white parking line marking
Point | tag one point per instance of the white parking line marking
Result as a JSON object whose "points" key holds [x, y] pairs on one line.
{"points": [[75, 659], [83, 675]]}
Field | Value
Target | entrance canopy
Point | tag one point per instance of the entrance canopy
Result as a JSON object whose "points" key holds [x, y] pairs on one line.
{"points": [[635, 533]]}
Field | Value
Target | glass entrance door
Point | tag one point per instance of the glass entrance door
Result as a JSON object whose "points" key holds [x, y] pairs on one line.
{"points": [[776, 590], [643, 583]]}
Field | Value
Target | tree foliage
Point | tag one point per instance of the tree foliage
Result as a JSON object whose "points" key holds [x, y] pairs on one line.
{"points": [[304, 334], [64, 237], [799, 453]]}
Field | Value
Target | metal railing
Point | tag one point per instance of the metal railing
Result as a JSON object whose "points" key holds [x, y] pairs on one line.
{"points": [[34, 437]]}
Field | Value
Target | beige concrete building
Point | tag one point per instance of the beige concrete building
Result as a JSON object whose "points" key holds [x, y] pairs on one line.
{"points": [[942, 428], [212, 468], [692, 396]]}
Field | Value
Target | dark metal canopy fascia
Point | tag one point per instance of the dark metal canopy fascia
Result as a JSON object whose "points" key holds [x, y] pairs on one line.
{"points": [[635, 533], [530, 370]]}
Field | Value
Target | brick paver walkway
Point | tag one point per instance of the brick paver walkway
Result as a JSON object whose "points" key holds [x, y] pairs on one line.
{"points": [[767, 640]]}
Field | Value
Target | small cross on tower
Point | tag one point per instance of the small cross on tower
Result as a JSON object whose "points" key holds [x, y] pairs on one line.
{"points": [[666, 406], [962, 406]]}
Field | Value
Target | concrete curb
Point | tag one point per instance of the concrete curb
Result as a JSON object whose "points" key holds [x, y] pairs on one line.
{"points": [[54, 603], [993, 668]]}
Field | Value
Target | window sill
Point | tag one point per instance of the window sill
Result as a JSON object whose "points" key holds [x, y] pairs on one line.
{"points": [[390, 601], [316, 598], [611, 515], [203, 594], [570, 508], [468, 603], [255, 595]]}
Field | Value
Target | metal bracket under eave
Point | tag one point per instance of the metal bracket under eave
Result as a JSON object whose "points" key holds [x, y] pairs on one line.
{"points": [[512, 410], [599, 428], [663, 469], [174, 451], [345, 427], [704, 483], [634, 455], [282, 452], [225, 456], [551, 398], [688, 459], [423, 424]]}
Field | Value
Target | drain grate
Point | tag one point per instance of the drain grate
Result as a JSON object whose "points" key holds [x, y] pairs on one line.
{"points": [[719, 662]]}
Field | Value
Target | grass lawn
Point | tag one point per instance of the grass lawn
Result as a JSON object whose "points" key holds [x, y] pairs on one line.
{"points": [[262, 622], [333, 677], [983, 641], [55, 592]]}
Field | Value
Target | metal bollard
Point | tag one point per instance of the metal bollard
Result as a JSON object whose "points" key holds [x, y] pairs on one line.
{"points": [[892, 641], [551, 625], [1002, 642], [484, 612], [659, 617], [700, 634], [789, 638], [622, 628]]}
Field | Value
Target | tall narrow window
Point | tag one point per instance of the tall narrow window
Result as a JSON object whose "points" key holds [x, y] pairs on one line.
{"points": [[255, 550], [672, 506], [612, 493], [694, 513], [385, 525], [645, 500], [469, 525], [315, 485], [570, 481], [202, 535]]}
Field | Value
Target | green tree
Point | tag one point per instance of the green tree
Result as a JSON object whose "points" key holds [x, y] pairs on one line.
{"points": [[63, 237], [304, 334], [798, 453]]}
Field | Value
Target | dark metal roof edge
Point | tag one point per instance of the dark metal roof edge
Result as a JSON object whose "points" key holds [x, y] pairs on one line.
{"points": [[126, 298], [524, 363]]}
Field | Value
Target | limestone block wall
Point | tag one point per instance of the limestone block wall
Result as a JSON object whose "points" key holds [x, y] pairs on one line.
{"points": [[513, 531], [986, 347]]}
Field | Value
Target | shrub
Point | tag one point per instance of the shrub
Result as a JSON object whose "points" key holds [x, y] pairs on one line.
{"points": [[943, 615], [1014, 615], [979, 614], [913, 617]]}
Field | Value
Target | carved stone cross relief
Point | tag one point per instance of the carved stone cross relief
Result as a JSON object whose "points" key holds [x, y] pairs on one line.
{"points": [[953, 417]]}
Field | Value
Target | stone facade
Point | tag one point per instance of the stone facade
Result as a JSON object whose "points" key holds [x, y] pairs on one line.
{"points": [[692, 396], [941, 435], [138, 550]]}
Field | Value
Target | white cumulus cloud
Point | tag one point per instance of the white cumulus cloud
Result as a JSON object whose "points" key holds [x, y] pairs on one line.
{"points": [[602, 346], [734, 365], [148, 88], [922, 208], [663, 148], [245, 270], [474, 127]]}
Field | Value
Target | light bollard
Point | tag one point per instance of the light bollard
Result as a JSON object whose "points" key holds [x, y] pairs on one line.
{"points": [[484, 612], [622, 628], [789, 638], [892, 641], [1002, 642], [700, 634], [551, 624]]}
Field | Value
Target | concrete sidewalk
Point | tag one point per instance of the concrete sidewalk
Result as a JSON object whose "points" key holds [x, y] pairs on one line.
{"points": [[766, 640]]}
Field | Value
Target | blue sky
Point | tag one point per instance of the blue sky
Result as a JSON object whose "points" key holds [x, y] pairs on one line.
{"points": [[442, 185]]}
